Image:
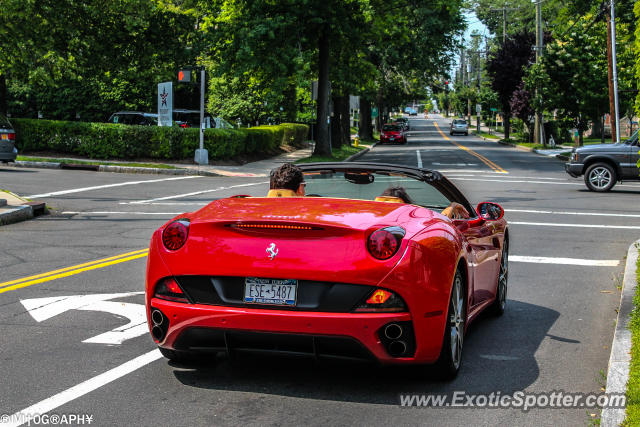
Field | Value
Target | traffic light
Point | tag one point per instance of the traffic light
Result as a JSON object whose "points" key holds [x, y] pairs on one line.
{"points": [[184, 75]]}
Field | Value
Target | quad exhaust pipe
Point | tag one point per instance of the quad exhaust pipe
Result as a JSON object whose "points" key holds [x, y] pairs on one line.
{"points": [[397, 348], [157, 331], [393, 331]]}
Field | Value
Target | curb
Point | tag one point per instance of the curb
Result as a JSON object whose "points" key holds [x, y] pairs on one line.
{"points": [[618, 371], [120, 169], [17, 214], [353, 157]]}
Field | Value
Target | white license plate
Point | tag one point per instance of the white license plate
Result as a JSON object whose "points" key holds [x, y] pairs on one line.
{"points": [[392, 138], [270, 291]]}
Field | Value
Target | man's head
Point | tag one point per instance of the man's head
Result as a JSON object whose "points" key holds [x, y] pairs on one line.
{"points": [[288, 176]]}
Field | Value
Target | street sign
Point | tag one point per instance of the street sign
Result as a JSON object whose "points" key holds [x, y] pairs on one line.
{"points": [[374, 112], [165, 104], [478, 108], [42, 309], [494, 109]]}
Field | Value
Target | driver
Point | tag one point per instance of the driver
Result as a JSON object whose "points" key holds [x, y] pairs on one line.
{"points": [[286, 181], [453, 211]]}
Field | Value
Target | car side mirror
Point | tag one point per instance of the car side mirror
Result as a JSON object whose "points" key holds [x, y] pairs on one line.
{"points": [[490, 211]]}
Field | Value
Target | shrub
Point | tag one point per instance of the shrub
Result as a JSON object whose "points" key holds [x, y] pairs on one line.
{"points": [[117, 141]]}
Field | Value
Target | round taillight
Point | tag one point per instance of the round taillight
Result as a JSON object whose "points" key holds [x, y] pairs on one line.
{"points": [[383, 243], [174, 236]]}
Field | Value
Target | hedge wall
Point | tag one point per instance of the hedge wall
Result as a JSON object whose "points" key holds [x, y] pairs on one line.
{"points": [[116, 141]]}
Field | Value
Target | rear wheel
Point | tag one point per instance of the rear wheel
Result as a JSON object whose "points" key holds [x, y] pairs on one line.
{"points": [[500, 303], [600, 177], [450, 359]]}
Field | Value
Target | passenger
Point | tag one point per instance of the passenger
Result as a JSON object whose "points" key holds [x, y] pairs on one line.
{"points": [[287, 181], [453, 211]]}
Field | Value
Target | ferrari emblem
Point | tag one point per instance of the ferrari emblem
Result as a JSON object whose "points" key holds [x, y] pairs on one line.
{"points": [[272, 251]]}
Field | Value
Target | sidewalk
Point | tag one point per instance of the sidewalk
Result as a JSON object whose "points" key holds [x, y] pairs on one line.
{"points": [[15, 209], [258, 168]]}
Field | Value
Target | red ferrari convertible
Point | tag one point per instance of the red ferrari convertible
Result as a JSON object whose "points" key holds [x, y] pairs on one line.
{"points": [[340, 273]]}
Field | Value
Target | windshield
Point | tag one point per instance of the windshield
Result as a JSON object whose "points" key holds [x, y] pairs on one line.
{"points": [[390, 128], [459, 122], [633, 139], [4, 122], [369, 185]]}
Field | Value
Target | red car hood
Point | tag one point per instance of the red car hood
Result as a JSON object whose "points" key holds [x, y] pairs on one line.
{"points": [[230, 237]]}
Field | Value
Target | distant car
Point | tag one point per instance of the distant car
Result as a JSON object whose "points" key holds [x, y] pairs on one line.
{"points": [[413, 112], [134, 118], [8, 150], [191, 118], [459, 126], [402, 121], [393, 133], [603, 165]]}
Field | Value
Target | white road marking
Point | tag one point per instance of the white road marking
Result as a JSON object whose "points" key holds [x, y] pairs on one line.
{"points": [[452, 175], [419, 158], [81, 389], [118, 213], [455, 164], [510, 181], [473, 171], [98, 187], [42, 309], [195, 193], [548, 224], [573, 213], [565, 261]]}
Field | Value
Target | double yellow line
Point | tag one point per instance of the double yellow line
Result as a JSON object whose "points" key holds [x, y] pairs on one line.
{"points": [[482, 158], [70, 271]]}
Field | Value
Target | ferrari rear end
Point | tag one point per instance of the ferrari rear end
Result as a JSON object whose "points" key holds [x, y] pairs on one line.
{"points": [[306, 277]]}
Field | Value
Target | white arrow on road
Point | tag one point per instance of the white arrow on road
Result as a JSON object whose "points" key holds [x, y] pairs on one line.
{"points": [[42, 309]]}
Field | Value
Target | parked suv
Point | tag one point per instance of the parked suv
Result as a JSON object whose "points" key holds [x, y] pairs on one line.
{"points": [[459, 126], [8, 151], [134, 118], [603, 165]]}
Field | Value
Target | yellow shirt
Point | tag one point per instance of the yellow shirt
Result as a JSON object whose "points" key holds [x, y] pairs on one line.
{"points": [[282, 193]]}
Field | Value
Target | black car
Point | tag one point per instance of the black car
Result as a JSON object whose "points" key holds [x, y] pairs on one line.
{"points": [[190, 118], [603, 165], [402, 121], [8, 151], [134, 118]]}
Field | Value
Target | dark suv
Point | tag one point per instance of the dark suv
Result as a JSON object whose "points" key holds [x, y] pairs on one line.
{"points": [[8, 151], [134, 118], [603, 165]]}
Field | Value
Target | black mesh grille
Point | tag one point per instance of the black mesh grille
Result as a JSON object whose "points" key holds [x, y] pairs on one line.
{"points": [[208, 339]]}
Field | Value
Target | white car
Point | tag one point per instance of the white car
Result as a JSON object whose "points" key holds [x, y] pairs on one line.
{"points": [[459, 126]]}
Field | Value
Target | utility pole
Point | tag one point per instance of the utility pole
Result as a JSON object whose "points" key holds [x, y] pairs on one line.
{"points": [[615, 70], [504, 25], [612, 104], [537, 137]]}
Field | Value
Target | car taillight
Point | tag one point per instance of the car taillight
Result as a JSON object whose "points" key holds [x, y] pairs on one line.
{"points": [[384, 243], [381, 300], [174, 236], [169, 289], [184, 125], [12, 136]]}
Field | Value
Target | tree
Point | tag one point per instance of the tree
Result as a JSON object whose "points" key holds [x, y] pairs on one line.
{"points": [[521, 106], [506, 69]]}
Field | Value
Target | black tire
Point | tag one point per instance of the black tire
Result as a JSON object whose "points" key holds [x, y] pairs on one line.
{"points": [[450, 360], [451, 133], [600, 177], [466, 134], [500, 302]]}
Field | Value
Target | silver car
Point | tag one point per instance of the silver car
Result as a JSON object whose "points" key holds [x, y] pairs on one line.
{"points": [[459, 126], [603, 165], [8, 151]]}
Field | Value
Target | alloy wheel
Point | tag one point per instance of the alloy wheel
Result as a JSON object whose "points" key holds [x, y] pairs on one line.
{"points": [[600, 177], [456, 322]]}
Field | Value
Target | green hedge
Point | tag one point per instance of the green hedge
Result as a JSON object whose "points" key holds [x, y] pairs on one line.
{"points": [[116, 141]]}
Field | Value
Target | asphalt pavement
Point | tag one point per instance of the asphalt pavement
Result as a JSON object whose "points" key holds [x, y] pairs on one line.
{"points": [[72, 281]]}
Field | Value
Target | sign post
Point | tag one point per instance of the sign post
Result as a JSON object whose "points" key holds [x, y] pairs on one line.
{"points": [[165, 104], [202, 155]]}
